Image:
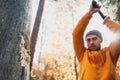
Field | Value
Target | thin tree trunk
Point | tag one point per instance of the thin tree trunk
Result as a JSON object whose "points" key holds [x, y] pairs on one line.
{"points": [[118, 12], [75, 64], [36, 30], [14, 21]]}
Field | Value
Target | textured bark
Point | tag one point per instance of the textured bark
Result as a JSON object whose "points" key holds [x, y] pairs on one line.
{"points": [[14, 20]]}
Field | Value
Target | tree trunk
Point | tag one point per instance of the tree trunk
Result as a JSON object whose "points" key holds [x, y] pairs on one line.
{"points": [[14, 42], [75, 64], [118, 12], [36, 30]]}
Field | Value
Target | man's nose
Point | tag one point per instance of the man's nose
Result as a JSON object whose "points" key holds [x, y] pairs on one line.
{"points": [[91, 41]]}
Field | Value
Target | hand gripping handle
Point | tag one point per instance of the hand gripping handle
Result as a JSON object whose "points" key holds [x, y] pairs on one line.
{"points": [[94, 4]]}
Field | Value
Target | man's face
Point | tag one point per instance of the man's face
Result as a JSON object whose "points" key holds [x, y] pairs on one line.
{"points": [[93, 42]]}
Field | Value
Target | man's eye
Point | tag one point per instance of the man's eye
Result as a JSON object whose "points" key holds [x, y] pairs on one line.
{"points": [[88, 40], [94, 38]]}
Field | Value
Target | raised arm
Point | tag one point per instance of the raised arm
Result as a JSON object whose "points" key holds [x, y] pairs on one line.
{"points": [[78, 41], [78, 33], [114, 47]]}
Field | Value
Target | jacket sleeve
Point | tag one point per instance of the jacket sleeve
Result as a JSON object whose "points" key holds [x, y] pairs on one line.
{"points": [[78, 32], [114, 46]]}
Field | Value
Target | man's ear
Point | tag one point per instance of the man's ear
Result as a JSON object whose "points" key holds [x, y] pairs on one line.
{"points": [[101, 40]]}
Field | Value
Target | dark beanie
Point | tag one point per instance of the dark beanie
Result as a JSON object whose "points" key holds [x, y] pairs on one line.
{"points": [[95, 32]]}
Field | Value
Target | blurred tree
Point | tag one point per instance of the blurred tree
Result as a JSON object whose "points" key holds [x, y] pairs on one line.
{"points": [[113, 6], [36, 30], [15, 18], [61, 38]]}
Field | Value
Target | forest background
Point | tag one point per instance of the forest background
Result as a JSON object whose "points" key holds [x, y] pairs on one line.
{"points": [[36, 37], [54, 51]]}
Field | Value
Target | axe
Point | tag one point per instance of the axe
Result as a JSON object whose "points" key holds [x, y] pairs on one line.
{"points": [[94, 4]]}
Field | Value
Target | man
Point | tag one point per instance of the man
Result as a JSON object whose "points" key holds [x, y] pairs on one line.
{"points": [[96, 63]]}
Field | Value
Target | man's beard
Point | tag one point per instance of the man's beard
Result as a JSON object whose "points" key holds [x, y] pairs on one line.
{"points": [[94, 48]]}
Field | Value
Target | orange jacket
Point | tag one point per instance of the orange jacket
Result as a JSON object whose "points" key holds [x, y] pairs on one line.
{"points": [[96, 65]]}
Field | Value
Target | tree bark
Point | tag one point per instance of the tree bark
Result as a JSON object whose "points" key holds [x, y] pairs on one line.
{"points": [[14, 30]]}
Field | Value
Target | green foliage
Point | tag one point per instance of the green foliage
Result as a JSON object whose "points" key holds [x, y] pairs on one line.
{"points": [[55, 0]]}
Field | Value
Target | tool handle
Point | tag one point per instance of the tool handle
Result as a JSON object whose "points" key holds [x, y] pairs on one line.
{"points": [[94, 4], [101, 14]]}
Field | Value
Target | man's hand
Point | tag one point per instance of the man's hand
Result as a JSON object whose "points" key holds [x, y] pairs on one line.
{"points": [[93, 10]]}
